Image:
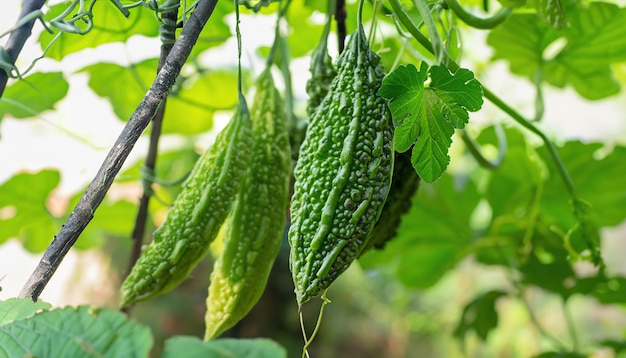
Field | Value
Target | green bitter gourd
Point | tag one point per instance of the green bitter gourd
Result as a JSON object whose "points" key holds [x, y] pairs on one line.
{"points": [[197, 214], [404, 184], [344, 172], [255, 229]]}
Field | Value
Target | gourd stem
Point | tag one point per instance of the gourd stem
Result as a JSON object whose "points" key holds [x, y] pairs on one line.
{"points": [[474, 149], [238, 33], [436, 47], [308, 342], [403, 17], [281, 13], [478, 22]]}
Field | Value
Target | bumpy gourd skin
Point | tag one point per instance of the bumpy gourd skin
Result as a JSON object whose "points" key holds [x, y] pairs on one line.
{"points": [[322, 74], [344, 172], [255, 229], [196, 215], [404, 184]]}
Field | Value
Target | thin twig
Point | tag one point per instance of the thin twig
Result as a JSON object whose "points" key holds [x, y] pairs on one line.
{"points": [[93, 196], [18, 38], [141, 219]]}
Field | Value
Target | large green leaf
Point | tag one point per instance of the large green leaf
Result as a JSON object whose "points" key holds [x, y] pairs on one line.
{"points": [[598, 181], [189, 109], [191, 347], [75, 332], [426, 117], [434, 235], [32, 95], [15, 309], [109, 25], [594, 38], [23, 210]]}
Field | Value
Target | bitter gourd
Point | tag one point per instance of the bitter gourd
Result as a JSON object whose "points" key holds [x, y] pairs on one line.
{"points": [[196, 215], [344, 172], [322, 72], [255, 229], [404, 184]]}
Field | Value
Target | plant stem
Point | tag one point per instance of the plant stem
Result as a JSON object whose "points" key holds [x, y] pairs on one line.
{"points": [[18, 38], [570, 325], [436, 47], [474, 149], [403, 17], [93, 196], [168, 38], [477, 22]]}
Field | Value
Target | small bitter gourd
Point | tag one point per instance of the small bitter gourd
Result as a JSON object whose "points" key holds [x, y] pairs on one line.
{"points": [[344, 172], [404, 184], [322, 71], [197, 214], [255, 228]]}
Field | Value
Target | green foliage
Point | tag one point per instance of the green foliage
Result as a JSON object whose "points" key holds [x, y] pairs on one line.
{"points": [[37, 330], [190, 347], [16, 309], [25, 214], [30, 96], [435, 234], [479, 315], [425, 118], [77, 332], [189, 109], [594, 38], [109, 25]]}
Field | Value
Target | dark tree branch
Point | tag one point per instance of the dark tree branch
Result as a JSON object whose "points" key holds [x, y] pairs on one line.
{"points": [[168, 29], [340, 18], [18, 38], [93, 196]]}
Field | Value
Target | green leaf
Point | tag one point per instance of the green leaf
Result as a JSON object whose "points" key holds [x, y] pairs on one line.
{"points": [[427, 117], [479, 316], [601, 194], [192, 347], [190, 107], [15, 309], [521, 40], [23, 210], [434, 235], [595, 38], [33, 95], [109, 25], [513, 186], [404, 91], [76, 332]]}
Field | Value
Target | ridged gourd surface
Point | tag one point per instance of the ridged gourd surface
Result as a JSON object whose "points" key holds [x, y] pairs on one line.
{"points": [[197, 214], [255, 229], [344, 172], [404, 184]]}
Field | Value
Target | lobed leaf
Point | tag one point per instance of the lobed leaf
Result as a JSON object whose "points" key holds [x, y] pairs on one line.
{"points": [[74, 332], [425, 118]]}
